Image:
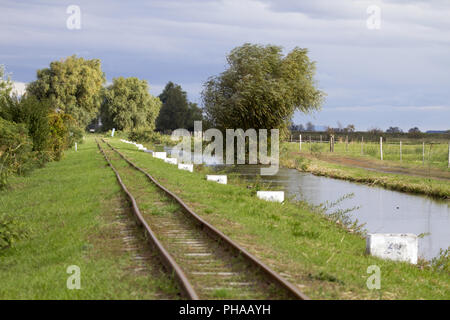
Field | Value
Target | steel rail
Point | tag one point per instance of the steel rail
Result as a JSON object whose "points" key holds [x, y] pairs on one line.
{"points": [[275, 277], [167, 259]]}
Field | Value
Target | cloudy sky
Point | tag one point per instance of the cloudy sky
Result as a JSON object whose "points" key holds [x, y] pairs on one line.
{"points": [[397, 75]]}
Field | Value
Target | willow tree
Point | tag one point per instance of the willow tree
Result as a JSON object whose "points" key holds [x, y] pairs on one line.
{"points": [[5, 82], [128, 105], [261, 88], [73, 85]]}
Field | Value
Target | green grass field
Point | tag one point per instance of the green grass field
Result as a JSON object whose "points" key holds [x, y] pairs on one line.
{"points": [[68, 211], [436, 154]]}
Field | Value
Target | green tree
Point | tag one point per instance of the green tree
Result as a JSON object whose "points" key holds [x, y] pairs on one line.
{"points": [[174, 108], [34, 114], [394, 130], [128, 105], [176, 111], [5, 88], [72, 85], [350, 128], [5, 82], [195, 113], [261, 88]]}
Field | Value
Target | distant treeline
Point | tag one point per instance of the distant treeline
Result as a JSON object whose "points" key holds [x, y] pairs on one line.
{"points": [[372, 136]]}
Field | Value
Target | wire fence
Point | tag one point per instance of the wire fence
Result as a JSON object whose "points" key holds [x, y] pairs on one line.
{"points": [[415, 152]]}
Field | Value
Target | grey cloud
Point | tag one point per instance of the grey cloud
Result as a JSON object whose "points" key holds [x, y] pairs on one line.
{"points": [[404, 63]]}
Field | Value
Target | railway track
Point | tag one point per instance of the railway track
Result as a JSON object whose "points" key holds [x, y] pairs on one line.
{"points": [[205, 262]]}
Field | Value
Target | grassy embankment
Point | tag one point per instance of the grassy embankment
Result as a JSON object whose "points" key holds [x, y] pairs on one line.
{"points": [[69, 210], [404, 180], [322, 258]]}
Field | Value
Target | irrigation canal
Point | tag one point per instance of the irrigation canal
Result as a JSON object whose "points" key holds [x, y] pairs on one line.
{"points": [[382, 210]]}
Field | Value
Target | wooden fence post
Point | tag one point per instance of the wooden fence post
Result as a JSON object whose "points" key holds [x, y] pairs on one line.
{"points": [[310, 149], [381, 148], [400, 150], [362, 145], [346, 144], [331, 138], [448, 164], [423, 152]]}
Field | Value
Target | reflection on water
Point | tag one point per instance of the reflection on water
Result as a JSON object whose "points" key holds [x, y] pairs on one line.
{"points": [[383, 211]]}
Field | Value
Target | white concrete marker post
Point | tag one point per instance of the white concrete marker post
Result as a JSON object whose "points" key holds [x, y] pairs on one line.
{"points": [[397, 247], [187, 167], [171, 160], [160, 155], [76, 146], [276, 196], [112, 132], [381, 148], [217, 178]]}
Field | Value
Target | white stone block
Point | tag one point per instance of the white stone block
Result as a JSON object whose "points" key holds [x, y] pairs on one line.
{"points": [[160, 155], [277, 196], [217, 178], [171, 160], [393, 246], [187, 167]]}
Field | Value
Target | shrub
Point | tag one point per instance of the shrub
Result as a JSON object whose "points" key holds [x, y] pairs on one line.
{"points": [[75, 134], [10, 231], [16, 154], [316, 148], [441, 263], [140, 135], [34, 114], [58, 135]]}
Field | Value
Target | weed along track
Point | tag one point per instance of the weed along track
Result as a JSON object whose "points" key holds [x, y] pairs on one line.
{"points": [[206, 263]]}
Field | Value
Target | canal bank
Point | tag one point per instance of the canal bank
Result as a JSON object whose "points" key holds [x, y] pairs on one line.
{"points": [[323, 259], [436, 188], [380, 210]]}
